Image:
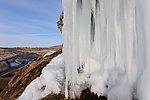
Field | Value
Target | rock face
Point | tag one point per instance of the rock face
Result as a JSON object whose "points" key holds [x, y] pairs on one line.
{"points": [[24, 77], [60, 22], [88, 95], [3, 66]]}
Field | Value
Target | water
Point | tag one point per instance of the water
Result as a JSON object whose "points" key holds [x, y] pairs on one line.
{"points": [[14, 65]]}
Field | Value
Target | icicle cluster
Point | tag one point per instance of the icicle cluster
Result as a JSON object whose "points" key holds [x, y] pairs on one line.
{"points": [[107, 47]]}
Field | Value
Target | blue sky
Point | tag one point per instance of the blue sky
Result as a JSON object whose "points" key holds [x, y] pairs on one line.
{"points": [[29, 23]]}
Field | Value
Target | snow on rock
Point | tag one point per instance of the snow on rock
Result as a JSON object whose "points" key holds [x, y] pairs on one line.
{"points": [[49, 81], [49, 53]]}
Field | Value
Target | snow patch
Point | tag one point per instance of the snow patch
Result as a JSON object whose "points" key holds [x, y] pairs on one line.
{"points": [[49, 81], [49, 53]]}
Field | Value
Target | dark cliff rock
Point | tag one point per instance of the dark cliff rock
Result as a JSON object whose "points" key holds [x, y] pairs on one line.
{"points": [[85, 95], [3, 66], [60, 22]]}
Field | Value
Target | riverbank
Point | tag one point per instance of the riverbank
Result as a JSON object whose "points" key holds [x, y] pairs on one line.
{"points": [[13, 59]]}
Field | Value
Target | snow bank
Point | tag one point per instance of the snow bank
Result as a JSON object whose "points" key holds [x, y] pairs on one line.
{"points": [[49, 81], [49, 53]]}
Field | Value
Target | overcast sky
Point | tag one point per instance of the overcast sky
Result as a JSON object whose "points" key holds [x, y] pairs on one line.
{"points": [[29, 23]]}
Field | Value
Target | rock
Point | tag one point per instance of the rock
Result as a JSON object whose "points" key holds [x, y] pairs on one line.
{"points": [[3, 66], [60, 22], [5, 78], [19, 60], [24, 76], [85, 95], [3, 83], [54, 97], [9, 74], [88, 95]]}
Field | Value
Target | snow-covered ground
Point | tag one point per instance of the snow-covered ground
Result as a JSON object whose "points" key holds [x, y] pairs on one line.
{"points": [[50, 81], [49, 53]]}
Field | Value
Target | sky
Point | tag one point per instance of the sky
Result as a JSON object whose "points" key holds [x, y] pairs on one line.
{"points": [[29, 23]]}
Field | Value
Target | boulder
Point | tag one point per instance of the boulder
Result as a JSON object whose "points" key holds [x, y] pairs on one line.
{"points": [[60, 22], [19, 60], [3, 66]]}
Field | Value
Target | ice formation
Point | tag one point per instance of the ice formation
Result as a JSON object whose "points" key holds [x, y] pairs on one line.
{"points": [[109, 41], [106, 48]]}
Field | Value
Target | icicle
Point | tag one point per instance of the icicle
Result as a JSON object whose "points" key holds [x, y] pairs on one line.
{"points": [[108, 42]]}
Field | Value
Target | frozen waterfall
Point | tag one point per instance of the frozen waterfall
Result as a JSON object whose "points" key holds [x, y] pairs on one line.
{"points": [[107, 47]]}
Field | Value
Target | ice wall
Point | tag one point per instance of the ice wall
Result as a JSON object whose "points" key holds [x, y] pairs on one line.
{"points": [[107, 47]]}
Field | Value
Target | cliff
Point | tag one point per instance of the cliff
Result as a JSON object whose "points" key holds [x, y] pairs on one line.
{"points": [[60, 22]]}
